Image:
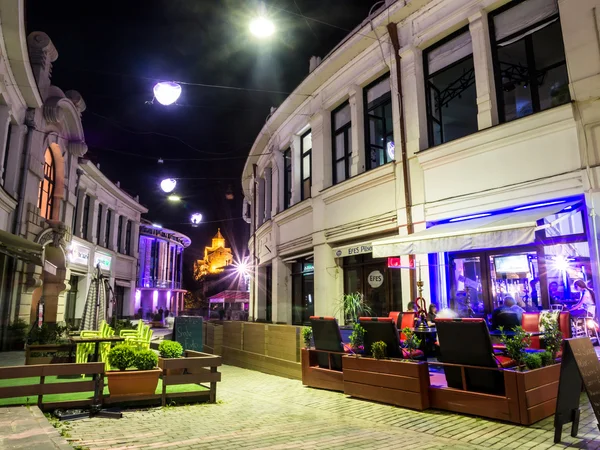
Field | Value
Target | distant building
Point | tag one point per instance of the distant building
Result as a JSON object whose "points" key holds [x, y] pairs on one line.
{"points": [[216, 258], [160, 269]]}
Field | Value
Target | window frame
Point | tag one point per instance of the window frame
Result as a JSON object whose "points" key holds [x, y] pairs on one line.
{"points": [[305, 154], [530, 56], [128, 232], [99, 225], [120, 235], [107, 232], [346, 130], [427, 76], [287, 178], [48, 180], [87, 200], [366, 120]]}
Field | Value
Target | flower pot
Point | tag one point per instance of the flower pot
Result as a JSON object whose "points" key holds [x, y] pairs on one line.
{"points": [[132, 382]]}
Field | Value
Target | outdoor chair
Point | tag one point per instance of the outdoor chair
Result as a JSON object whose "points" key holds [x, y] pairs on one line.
{"points": [[467, 342], [143, 341], [327, 338], [137, 332], [396, 317], [408, 321], [384, 329]]}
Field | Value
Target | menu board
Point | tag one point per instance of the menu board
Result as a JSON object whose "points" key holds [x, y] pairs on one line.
{"points": [[187, 330], [579, 365]]}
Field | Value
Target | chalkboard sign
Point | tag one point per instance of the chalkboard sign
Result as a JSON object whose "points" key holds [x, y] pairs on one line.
{"points": [[187, 330], [579, 365]]}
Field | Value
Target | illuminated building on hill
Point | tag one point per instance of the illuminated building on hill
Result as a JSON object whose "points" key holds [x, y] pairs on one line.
{"points": [[216, 258]]}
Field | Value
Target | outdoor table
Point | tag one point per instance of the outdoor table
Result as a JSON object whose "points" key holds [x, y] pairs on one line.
{"points": [[97, 341]]}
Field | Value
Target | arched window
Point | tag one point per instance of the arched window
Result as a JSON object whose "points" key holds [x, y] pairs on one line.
{"points": [[46, 194]]}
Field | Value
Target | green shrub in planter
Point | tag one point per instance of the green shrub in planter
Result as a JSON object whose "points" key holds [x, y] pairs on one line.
{"points": [[145, 359], [122, 356], [170, 349], [546, 358], [378, 349], [307, 335], [533, 361]]}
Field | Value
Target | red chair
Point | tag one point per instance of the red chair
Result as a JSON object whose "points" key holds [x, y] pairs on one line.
{"points": [[395, 315], [531, 322], [408, 321]]}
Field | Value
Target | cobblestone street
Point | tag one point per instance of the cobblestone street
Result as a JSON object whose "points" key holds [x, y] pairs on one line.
{"points": [[255, 410]]}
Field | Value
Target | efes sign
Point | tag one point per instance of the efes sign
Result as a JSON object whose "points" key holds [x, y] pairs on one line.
{"points": [[352, 250]]}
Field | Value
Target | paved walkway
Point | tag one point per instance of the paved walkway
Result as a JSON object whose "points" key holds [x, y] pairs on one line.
{"points": [[267, 412], [27, 428]]}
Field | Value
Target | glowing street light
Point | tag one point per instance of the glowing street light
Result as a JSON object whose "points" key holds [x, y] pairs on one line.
{"points": [[174, 198], [166, 92], [242, 267], [261, 27], [168, 184], [196, 219]]}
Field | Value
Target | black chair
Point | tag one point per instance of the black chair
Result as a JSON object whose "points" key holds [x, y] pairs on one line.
{"points": [[467, 342], [327, 337], [381, 329]]}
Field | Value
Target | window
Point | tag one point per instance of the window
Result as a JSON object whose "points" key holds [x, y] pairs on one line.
{"points": [[303, 285], [99, 225], [379, 131], [529, 59], [128, 238], [108, 224], [86, 217], [450, 89], [6, 151], [46, 191], [287, 178], [342, 143], [305, 167], [120, 235]]}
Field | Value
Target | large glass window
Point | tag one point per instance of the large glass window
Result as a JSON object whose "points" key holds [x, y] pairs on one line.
{"points": [[108, 224], [128, 238], [303, 286], [287, 179], [530, 67], [342, 143], [99, 225], [86, 217], [379, 129], [120, 235], [306, 165], [450, 89], [46, 190]]}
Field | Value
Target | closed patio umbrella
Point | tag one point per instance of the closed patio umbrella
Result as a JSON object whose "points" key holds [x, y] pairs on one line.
{"points": [[96, 303]]}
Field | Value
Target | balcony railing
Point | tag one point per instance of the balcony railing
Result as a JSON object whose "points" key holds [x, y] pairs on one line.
{"points": [[160, 284]]}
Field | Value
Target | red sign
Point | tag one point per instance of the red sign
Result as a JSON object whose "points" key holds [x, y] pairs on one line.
{"points": [[396, 263]]}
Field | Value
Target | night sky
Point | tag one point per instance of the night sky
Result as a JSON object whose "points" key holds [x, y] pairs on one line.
{"points": [[113, 52]]}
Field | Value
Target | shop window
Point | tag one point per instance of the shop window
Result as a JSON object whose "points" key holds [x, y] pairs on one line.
{"points": [[450, 89], [99, 225], [86, 217], [379, 133], [120, 235], [530, 67], [46, 190], [342, 143], [108, 225], [287, 179], [303, 281], [306, 165]]}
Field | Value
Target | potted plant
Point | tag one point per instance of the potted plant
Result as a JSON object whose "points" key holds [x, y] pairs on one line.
{"points": [[125, 382], [516, 345], [411, 343], [352, 306], [307, 335], [171, 350], [552, 338], [17, 335], [378, 349], [47, 344], [357, 339]]}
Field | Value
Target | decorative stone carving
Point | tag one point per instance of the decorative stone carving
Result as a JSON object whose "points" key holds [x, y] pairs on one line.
{"points": [[77, 100], [77, 148], [53, 112], [41, 48]]}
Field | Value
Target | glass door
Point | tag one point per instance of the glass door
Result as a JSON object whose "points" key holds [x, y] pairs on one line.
{"points": [[468, 285]]}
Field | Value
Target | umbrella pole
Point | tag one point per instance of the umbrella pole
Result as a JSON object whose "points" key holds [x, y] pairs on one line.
{"points": [[97, 308]]}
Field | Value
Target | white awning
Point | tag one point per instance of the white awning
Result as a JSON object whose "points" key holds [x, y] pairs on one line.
{"points": [[501, 230]]}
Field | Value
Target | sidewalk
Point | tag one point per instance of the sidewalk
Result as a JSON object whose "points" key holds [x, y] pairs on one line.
{"points": [[26, 428]]}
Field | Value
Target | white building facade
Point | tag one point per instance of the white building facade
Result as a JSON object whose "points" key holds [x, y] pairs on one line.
{"points": [[106, 227], [475, 120]]}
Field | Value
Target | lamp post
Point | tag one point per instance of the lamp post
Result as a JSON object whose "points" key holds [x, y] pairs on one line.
{"points": [[261, 26]]}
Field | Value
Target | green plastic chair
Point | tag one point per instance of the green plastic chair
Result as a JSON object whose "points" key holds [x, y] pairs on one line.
{"points": [[84, 350], [137, 332], [143, 341]]}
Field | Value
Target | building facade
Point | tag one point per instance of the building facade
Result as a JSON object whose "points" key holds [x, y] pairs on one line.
{"points": [[159, 284], [106, 226], [452, 141]]}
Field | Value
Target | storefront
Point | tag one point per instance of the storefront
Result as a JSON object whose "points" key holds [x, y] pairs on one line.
{"points": [[532, 253]]}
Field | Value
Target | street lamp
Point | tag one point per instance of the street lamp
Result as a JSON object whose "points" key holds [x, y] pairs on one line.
{"points": [[174, 198], [166, 92], [196, 219], [168, 184], [261, 27]]}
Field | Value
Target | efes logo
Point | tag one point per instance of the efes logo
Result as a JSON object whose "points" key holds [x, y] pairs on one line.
{"points": [[338, 253]]}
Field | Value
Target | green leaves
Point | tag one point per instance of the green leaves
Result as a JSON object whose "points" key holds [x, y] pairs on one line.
{"points": [[170, 349]]}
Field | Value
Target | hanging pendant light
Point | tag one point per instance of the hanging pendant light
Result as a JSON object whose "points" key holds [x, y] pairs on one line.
{"points": [[166, 92]]}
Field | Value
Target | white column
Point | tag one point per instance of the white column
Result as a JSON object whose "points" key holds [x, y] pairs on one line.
{"points": [[92, 218], [282, 292], [413, 87], [296, 175], [135, 239], [278, 170], [320, 124], [114, 231], [15, 152], [124, 235], [268, 192], [357, 115], [487, 115], [327, 291], [79, 218], [4, 121], [101, 239], [261, 293]]}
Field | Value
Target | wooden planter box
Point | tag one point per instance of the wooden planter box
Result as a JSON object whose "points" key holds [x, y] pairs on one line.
{"points": [[317, 377], [50, 349], [393, 381], [529, 397]]}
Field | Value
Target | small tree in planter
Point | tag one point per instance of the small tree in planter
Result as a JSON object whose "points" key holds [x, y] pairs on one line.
{"points": [[412, 342], [357, 338], [552, 337], [352, 306], [126, 382], [516, 345], [307, 335], [378, 349], [171, 350]]}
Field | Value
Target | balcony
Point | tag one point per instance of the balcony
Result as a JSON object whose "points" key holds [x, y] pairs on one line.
{"points": [[159, 284]]}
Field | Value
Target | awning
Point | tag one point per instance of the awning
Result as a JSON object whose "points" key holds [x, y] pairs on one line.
{"points": [[501, 230], [290, 259], [230, 296], [21, 248]]}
